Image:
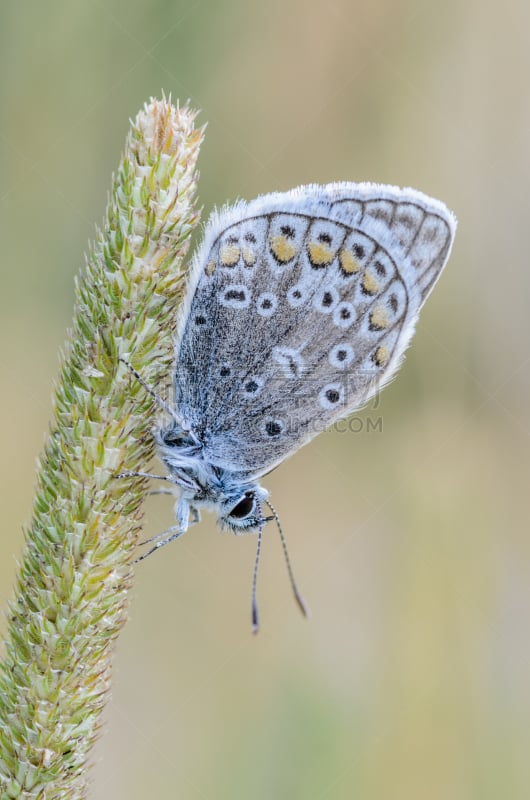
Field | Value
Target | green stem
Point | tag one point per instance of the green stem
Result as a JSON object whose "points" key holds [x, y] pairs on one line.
{"points": [[73, 584]]}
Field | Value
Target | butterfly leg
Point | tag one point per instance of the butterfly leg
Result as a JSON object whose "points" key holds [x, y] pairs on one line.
{"points": [[174, 533], [195, 515], [161, 539], [143, 475]]}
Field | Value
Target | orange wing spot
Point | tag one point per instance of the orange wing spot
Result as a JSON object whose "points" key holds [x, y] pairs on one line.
{"points": [[320, 255], [249, 257], [370, 285], [229, 255], [381, 356], [379, 318], [348, 262], [282, 249], [210, 267]]}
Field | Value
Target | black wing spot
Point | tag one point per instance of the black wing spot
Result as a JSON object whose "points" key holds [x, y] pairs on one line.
{"points": [[235, 294], [273, 428], [359, 251]]}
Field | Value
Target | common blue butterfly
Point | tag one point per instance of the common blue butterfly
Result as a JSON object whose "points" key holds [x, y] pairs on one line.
{"points": [[299, 308]]}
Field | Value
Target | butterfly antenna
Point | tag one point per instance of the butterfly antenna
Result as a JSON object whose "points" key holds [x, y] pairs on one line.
{"points": [[255, 614], [156, 397], [298, 597]]}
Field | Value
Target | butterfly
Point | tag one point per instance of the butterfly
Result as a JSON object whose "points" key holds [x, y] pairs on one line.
{"points": [[299, 308]]}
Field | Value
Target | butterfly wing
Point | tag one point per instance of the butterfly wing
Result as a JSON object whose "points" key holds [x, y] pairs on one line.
{"points": [[300, 307]]}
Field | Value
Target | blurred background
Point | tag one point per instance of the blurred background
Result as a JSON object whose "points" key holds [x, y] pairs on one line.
{"points": [[412, 679]]}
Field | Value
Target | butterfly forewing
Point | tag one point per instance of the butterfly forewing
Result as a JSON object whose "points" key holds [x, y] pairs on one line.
{"points": [[301, 307]]}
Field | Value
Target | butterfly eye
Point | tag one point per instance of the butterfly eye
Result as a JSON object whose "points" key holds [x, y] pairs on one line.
{"points": [[244, 507]]}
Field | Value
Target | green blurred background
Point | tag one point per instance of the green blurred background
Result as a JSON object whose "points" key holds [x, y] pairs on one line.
{"points": [[412, 678]]}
